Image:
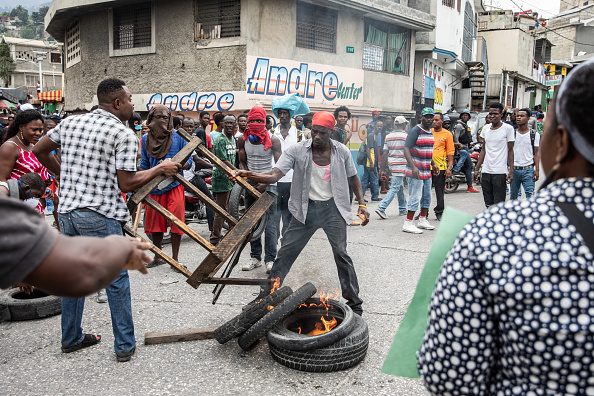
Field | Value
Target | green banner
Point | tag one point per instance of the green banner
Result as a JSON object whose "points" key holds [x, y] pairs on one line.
{"points": [[402, 359]]}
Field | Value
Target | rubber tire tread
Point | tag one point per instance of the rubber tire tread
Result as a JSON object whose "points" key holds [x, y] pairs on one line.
{"points": [[283, 338], [36, 308], [258, 330], [233, 209], [341, 355], [239, 324]]}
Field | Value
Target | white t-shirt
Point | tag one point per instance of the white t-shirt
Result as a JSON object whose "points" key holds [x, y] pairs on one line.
{"points": [[285, 144], [523, 150], [496, 143]]}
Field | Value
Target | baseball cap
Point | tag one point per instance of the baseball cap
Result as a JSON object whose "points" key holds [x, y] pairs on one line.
{"points": [[375, 112], [446, 118], [400, 120], [427, 111]]}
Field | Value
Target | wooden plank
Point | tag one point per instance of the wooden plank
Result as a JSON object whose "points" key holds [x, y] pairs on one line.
{"points": [[230, 172], [186, 272], [137, 217], [184, 134], [145, 190], [162, 337], [236, 281], [204, 198], [232, 240], [179, 224]]}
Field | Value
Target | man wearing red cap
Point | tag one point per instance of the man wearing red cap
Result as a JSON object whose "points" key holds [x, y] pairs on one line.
{"points": [[257, 150], [323, 169]]}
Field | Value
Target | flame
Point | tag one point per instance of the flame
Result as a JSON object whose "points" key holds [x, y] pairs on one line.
{"points": [[326, 324], [270, 307], [299, 329], [275, 284], [324, 297]]}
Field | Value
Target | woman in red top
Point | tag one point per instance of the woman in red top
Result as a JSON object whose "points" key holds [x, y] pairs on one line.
{"points": [[16, 157]]}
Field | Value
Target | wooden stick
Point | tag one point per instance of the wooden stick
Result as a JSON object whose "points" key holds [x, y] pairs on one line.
{"points": [[186, 272], [179, 224], [137, 217], [235, 281], [162, 337]]}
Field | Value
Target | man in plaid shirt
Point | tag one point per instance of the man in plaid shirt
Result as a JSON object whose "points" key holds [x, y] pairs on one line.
{"points": [[98, 160]]}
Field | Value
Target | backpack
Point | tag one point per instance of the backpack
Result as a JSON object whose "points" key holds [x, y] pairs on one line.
{"points": [[532, 138], [362, 154], [465, 137]]}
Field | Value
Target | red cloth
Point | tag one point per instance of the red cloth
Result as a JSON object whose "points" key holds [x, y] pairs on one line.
{"points": [[256, 128], [173, 200], [324, 118]]}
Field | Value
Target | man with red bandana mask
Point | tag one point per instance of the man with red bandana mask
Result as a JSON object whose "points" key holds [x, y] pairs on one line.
{"points": [[257, 151], [323, 170]]}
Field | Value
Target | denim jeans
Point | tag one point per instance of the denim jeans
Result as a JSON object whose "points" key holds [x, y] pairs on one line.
{"points": [[396, 188], [283, 191], [418, 191], [522, 178], [88, 223], [370, 177], [466, 161], [270, 232], [324, 215]]}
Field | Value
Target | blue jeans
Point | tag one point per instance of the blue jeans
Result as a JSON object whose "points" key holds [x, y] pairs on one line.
{"points": [[370, 176], [396, 187], [88, 223], [522, 178], [464, 160], [270, 232], [418, 191]]}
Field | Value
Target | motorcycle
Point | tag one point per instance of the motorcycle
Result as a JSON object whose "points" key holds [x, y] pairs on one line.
{"points": [[457, 178], [195, 208]]}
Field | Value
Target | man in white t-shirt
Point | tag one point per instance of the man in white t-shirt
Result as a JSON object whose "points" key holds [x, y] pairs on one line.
{"points": [[497, 153], [526, 156]]}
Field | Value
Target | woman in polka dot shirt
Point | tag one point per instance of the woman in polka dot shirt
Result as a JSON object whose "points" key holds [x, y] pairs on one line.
{"points": [[512, 312]]}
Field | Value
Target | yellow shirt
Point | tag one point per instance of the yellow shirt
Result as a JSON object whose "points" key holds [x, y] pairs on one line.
{"points": [[443, 146]]}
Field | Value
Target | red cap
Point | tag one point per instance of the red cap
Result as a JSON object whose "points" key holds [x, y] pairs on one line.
{"points": [[375, 112], [323, 118]]}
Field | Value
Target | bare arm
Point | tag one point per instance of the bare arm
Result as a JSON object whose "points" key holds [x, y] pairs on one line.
{"points": [[348, 137], [384, 160], [79, 266], [265, 178], [43, 151], [8, 156], [411, 164], [355, 184], [276, 146], [201, 163], [536, 163], [479, 163], [129, 181], [510, 161], [242, 154]]}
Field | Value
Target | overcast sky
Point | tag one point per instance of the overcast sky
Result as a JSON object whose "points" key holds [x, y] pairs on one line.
{"points": [[545, 8]]}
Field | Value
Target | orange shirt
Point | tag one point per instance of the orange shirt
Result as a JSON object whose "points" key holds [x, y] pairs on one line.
{"points": [[443, 146]]}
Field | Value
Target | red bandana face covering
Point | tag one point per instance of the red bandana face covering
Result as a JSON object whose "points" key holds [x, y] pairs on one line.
{"points": [[257, 129]]}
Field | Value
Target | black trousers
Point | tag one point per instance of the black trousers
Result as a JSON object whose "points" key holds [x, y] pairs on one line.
{"points": [[494, 187], [202, 186], [439, 184]]}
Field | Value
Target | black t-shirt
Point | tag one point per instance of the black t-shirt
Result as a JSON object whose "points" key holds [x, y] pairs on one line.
{"points": [[25, 241]]}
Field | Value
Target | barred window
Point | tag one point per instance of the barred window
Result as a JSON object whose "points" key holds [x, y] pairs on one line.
{"points": [[316, 27], [132, 26], [449, 3], [386, 48], [72, 44], [215, 19]]}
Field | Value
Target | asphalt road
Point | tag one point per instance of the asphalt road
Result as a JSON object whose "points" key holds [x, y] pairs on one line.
{"points": [[388, 263]]}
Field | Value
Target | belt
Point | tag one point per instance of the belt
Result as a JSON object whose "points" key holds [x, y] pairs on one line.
{"points": [[321, 202], [523, 167]]}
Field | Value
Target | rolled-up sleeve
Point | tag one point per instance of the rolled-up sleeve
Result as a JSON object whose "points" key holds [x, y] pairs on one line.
{"points": [[286, 162]]}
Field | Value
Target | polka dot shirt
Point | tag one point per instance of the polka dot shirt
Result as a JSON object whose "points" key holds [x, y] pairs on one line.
{"points": [[512, 312]]}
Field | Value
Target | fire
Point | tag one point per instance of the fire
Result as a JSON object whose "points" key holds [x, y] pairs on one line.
{"points": [[275, 284], [270, 307], [326, 324], [324, 297]]}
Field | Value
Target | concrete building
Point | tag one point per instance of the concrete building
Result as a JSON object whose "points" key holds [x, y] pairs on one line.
{"points": [[28, 54], [565, 5], [451, 60], [231, 55], [516, 75]]}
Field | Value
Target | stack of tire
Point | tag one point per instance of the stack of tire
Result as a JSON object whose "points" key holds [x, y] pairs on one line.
{"points": [[343, 347], [16, 305]]}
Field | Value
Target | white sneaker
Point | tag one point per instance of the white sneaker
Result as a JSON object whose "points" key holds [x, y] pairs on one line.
{"points": [[409, 226], [269, 266], [381, 214], [101, 296], [254, 263], [423, 223]]}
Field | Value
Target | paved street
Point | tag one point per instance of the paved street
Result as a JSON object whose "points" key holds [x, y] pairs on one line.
{"points": [[388, 263]]}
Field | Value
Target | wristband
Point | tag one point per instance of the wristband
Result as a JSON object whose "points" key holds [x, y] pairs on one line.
{"points": [[5, 185], [362, 206]]}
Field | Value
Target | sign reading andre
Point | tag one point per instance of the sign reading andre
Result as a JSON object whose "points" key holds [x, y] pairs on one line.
{"points": [[317, 83]]}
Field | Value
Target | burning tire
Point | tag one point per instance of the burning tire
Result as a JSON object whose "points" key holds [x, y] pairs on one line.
{"points": [[283, 334], [339, 356], [36, 305], [239, 324], [258, 330]]}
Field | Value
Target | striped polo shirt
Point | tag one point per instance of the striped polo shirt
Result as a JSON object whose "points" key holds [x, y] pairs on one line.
{"points": [[420, 142], [395, 145]]}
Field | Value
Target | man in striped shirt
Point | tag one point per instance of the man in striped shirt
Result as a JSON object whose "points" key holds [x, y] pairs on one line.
{"points": [[418, 150], [393, 155]]}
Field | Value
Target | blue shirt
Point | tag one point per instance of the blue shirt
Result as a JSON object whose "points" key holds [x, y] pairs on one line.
{"points": [[148, 162], [214, 135]]}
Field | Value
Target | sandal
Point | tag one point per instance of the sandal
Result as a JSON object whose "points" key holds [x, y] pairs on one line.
{"points": [[155, 263], [88, 340]]}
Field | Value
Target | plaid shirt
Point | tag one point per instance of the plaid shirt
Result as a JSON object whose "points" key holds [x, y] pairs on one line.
{"points": [[94, 146]]}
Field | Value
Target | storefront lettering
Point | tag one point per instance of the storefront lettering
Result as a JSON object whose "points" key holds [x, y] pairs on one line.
{"points": [[193, 102]]}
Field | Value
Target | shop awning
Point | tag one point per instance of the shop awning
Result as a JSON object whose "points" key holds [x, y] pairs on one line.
{"points": [[6, 104], [50, 96]]}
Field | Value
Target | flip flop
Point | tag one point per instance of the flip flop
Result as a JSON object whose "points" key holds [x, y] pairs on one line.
{"points": [[155, 263], [88, 340]]}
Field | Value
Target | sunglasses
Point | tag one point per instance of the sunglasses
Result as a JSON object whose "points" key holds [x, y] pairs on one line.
{"points": [[53, 117]]}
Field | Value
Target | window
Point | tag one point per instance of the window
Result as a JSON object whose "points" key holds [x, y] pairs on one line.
{"points": [[72, 45], [132, 26], [449, 3], [55, 57], [215, 19], [386, 48], [316, 27], [469, 33]]}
